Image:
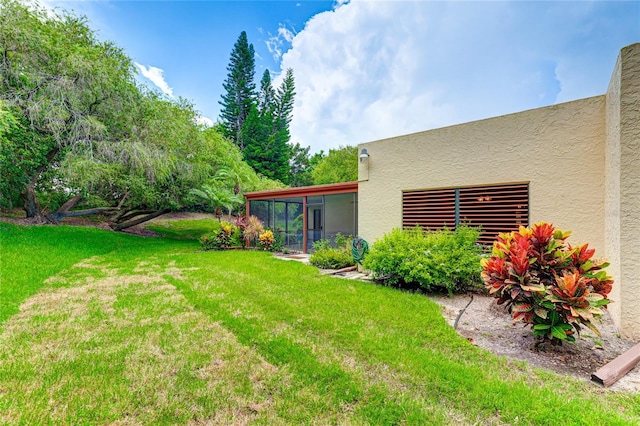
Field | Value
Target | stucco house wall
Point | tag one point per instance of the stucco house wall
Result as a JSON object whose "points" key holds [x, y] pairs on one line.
{"points": [[580, 158], [622, 189], [558, 150]]}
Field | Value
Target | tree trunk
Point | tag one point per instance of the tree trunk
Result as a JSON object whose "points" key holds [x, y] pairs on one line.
{"points": [[121, 210], [130, 214], [59, 214], [56, 216], [134, 222], [64, 210], [31, 205]]}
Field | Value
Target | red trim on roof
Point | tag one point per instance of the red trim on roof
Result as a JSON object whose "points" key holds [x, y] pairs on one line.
{"points": [[301, 191]]}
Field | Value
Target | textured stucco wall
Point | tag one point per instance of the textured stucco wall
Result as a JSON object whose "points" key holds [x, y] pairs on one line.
{"points": [[559, 150], [612, 189], [623, 189]]}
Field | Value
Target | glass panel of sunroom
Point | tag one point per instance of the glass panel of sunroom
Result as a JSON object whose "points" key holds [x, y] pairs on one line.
{"points": [[263, 210], [295, 226], [340, 215]]}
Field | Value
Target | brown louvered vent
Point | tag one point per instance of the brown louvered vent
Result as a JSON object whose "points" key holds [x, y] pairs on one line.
{"points": [[496, 208], [430, 209], [500, 208]]}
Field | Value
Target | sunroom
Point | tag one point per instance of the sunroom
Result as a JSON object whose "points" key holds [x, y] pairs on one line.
{"points": [[304, 215]]}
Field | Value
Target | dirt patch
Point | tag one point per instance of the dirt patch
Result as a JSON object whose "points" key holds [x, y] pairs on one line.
{"points": [[489, 326]]}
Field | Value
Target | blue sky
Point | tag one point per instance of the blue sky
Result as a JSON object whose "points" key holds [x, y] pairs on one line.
{"points": [[367, 70]]}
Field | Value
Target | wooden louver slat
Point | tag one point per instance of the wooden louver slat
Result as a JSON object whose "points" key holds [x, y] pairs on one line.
{"points": [[499, 208], [429, 209], [496, 209]]}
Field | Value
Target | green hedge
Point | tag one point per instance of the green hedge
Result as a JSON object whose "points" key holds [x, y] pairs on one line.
{"points": [[328, 257], [432, 260]]}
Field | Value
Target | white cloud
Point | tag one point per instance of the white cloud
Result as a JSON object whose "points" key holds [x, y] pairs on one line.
{"points": [[285, 33], [339, 3], [204, 121], [276, 43], [156, 76], [369, 70]]}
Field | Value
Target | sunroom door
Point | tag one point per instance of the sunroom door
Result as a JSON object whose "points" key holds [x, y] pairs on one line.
{"points": [[315, 224]]}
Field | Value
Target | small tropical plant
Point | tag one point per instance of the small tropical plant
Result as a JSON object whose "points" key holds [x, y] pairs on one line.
{"points": [[278, 240], [252, 229], [227, 236], [547, 283], [221, 191], [208, 241], [266, 240], [240, 221]]}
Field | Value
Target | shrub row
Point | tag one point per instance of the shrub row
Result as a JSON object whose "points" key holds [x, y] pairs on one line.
{"points": [[446, 260], [326, 256]]}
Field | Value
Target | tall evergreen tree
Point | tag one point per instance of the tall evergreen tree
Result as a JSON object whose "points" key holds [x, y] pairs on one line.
{"points": [[265, 150], [283, 105], [258, 123], [266, 135], [267, 95], [240, 90]]}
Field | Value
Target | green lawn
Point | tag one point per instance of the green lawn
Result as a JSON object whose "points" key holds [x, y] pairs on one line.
{"points": [[187, 229], [100, 327]]}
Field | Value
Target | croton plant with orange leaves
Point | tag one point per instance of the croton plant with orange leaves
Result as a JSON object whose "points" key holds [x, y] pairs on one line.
{"points": [[546, 282]]}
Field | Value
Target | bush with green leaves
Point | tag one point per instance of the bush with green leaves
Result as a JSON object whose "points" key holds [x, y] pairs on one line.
{"points": [[278, 240], [208, 241], [326, 256], [266, 240], [440, 260], [546, 282], [227, 236], [321, 245]]}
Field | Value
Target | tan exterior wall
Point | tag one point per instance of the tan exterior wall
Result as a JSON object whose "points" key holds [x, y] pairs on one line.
{"points": [[559, 150], [622, 189], [612, 189], [581, 160]]}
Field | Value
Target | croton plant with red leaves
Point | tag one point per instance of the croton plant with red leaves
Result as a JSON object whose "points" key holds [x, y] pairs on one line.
{"points": [[546, 282]]}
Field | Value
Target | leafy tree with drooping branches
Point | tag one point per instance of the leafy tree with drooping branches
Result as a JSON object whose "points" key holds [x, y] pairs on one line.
{"points": [[230, 179], [69, 89], [21, 153], [83, 137], [340, 165]]}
